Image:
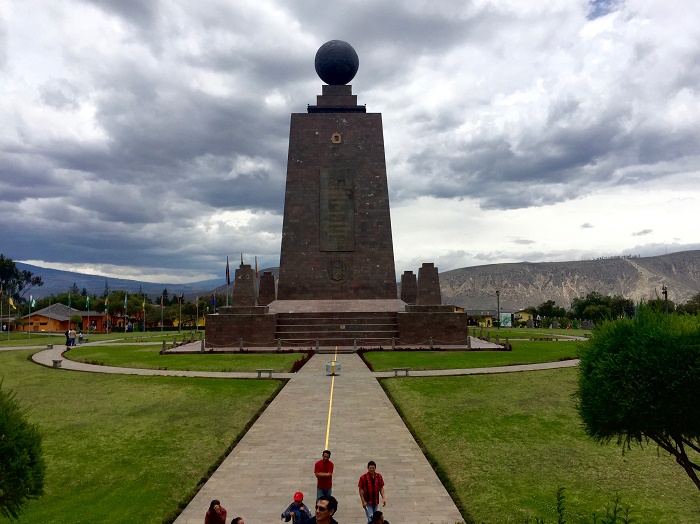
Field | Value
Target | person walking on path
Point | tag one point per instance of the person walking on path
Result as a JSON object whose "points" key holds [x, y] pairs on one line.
{"points": [[297, 511], [326, 507], [215, 514], [371, 486], [323, 469]]}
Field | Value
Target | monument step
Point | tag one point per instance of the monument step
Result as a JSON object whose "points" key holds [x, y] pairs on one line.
{"points": [[337, 327], [345, 315], [349, 342], [337, 334]]}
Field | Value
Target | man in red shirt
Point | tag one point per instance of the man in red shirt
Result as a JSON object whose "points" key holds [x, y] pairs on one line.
{"points": [[323, 469], [371, 485]]}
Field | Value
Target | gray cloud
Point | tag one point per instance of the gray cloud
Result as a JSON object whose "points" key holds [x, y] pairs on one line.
{"points": [[642, 233], [157, 135]]}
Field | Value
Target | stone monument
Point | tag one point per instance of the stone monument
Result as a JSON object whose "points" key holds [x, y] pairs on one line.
{"points": [[337, 280], [336, 235]]}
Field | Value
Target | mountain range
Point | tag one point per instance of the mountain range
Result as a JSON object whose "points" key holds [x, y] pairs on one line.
{"points": [[519, 284]]}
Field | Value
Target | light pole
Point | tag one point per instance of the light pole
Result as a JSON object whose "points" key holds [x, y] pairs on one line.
{"points": [[179, 322], [498, 309], [664, 292]]}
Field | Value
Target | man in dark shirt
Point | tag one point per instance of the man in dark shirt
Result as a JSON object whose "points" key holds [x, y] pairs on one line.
{"points": [[371, 486]]}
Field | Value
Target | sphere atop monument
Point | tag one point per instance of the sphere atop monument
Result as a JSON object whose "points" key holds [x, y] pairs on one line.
{"points": [[336, 62]]}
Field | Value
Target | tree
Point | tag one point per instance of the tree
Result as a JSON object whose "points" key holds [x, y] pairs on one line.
{"points": [[14, 282], [692, 307], [76, 320], [549, 309], [105, 293], [639, 380], [21, 461]]}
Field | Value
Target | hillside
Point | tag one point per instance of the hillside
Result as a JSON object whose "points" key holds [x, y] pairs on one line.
{"points": [[521, 285], [529, 284]]}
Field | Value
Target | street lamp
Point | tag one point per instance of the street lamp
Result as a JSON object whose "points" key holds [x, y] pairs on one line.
{"points": [[498, 309], [179, 302], [664, 292]]}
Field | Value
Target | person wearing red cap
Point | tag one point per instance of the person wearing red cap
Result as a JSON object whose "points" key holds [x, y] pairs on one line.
{"points": [[297, 511]]}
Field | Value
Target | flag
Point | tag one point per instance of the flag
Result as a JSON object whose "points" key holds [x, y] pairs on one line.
{"points": [[144, 302], [161, 301], [228, 273], [213, 300], [106, 305], [256, 267], [125, 295], [87, 303], [9, 301], [32, 302]]}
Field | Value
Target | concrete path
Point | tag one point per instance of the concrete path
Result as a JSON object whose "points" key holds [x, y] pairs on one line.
{"points": [[277, 455]]}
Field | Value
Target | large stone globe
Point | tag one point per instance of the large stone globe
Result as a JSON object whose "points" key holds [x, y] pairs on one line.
{"points": [[336, 62]]}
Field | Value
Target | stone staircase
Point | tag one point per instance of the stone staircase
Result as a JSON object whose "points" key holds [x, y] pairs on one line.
{"points": [[338, 328]]}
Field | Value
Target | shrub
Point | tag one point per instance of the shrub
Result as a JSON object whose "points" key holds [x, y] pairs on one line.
{"points": [[21, 462]]}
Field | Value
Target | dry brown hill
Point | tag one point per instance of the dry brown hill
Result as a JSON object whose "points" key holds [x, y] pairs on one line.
{"points": [[529, 284]]}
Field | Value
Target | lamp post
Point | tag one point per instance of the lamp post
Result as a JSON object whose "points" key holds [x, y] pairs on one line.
{"points": [[664, 292], [179, 322], [498, 309]]}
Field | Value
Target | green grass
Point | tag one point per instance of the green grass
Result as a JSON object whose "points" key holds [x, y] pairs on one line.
{"points": [[524, 352], [19, 339], [149, 357], [518, 333], [125, 448], [505, 443]]}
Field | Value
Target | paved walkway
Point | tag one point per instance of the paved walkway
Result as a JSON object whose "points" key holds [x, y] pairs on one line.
{"points": [[275, 458]]}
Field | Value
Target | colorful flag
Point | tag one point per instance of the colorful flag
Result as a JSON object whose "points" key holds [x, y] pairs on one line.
{"points": [[213, 299], [228, 273], [144, 302], [9, 301], [161, 301]]}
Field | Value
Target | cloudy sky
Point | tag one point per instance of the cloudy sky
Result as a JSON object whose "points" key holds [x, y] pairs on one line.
{"points": [[148, 139]]}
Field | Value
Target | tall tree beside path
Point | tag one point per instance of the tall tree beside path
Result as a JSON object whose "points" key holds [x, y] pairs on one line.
{"points": [[639, 380], [21, 461], [16, 283]]}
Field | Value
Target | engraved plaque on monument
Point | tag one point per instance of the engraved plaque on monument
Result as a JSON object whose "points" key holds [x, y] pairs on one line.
{"points": [[337, 210]]}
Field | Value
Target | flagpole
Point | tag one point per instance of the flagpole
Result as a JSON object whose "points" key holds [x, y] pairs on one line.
{"points": [[29, 331], [161, 313]]}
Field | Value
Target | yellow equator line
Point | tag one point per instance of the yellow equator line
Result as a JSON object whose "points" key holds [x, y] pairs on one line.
{"points": [[330, 401]]}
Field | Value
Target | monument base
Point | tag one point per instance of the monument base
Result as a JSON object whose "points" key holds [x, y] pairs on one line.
{"points": [[305, 323]]}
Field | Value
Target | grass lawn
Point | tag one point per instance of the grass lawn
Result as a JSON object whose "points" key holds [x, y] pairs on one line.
{"points": [[524, 352], [125, 448], [518, 333], [18, 339], [507, 442], [149, 357]]}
